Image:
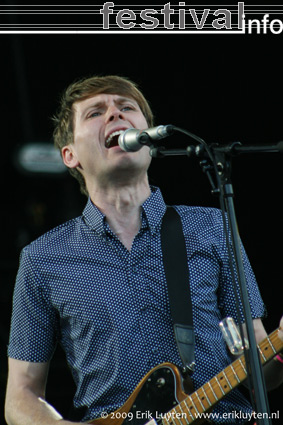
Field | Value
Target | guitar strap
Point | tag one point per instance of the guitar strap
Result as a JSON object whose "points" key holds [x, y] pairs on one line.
{"points": [[177, 277]]}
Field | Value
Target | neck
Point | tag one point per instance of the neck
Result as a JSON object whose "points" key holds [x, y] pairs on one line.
{"points": [[121, 205]]}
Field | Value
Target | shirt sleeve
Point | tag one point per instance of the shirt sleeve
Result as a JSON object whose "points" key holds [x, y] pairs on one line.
{"points": [[33, 331], [229, 293]]}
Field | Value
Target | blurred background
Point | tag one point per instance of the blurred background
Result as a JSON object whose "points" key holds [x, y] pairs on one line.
{"points": [[222, 88]]}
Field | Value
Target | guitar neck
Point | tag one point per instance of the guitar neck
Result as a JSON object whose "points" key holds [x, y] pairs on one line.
{"points": [[219, 386]]}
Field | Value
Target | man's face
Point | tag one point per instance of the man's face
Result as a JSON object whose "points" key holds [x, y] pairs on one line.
{"points": [[95, 151]]}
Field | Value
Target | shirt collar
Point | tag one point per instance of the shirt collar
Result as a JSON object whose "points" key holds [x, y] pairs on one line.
{"points": [[153, 210]]}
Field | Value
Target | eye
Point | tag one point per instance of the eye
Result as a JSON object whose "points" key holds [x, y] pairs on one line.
{"points": [[93, 114], [127, 108]]}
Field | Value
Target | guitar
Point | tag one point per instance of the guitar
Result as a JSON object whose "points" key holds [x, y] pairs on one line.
{"points": [[162, 389]]}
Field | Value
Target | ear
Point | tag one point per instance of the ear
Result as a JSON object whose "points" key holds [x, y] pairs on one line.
{"points": [[69, 156]]}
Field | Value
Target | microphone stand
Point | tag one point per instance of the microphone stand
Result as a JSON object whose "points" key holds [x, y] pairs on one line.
{"points": [[220, 157]]}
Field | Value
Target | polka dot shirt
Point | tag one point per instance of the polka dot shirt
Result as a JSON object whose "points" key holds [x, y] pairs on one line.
{"points": [[77, 285]]}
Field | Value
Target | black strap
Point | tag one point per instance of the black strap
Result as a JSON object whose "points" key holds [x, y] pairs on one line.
{"points": [[177, 277]]}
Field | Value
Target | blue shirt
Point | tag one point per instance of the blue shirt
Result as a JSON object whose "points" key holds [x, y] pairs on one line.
{"points": [[108, 307]]}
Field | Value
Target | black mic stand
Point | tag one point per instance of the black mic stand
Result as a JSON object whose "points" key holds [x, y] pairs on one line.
{"points": [[258, 391], [220, 158]]}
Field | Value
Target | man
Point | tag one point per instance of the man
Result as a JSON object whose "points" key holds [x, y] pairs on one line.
{"points": [[96, 284]]}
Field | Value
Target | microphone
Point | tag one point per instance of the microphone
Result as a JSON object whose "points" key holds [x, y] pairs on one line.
{"points": [[133, 140]]}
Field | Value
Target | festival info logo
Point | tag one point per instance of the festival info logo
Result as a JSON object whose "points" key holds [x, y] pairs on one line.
{"points": [[165, 19]]}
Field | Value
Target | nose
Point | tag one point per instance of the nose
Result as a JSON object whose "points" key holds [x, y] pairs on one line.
{"points": [[114, 113]]}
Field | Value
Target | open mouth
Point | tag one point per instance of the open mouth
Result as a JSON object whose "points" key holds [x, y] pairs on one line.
{"points": [[112, 140]]}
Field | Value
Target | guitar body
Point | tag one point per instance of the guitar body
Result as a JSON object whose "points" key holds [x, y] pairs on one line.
{"points": [[163, 398], [159, 391]]}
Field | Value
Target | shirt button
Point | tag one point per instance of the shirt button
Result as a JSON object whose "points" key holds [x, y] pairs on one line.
{"points": [[135, 269], [154, 350]]}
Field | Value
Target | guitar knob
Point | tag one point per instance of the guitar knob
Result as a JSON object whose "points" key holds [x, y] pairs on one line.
{"points": [[160, 382]]}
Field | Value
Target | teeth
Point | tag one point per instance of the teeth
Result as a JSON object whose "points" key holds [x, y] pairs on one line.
{"points": [[115, 133]]}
